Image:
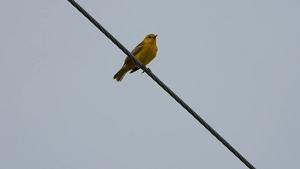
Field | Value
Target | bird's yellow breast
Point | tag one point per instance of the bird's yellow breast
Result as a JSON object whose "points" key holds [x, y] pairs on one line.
{"points": [[148, 53]]}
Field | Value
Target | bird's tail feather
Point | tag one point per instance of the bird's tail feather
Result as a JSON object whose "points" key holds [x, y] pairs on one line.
{"points": [[120, 74]]}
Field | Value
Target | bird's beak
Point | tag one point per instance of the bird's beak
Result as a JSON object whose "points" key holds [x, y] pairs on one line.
{"points": [[155, 36]]}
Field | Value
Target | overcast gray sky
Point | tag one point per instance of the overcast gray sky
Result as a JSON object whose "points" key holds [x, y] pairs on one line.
{"points": [[237, 63]]}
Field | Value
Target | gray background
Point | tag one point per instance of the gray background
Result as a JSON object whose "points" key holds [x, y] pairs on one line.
{"points": [[235, 62]]}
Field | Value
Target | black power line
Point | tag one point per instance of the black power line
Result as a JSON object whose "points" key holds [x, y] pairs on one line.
{"points": [[162, 85]]}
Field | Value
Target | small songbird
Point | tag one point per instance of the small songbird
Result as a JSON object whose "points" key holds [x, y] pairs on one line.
{"points": [[144, 52]]}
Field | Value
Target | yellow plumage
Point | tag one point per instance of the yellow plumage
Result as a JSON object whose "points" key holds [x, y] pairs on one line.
{"points": [[144, 52]]}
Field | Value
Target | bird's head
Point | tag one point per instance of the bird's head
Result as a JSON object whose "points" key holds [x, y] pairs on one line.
{"points": [[151, 38]]}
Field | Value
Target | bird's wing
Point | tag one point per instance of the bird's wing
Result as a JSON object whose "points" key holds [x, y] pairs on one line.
{"points": [[134, 69], [135, 51]]}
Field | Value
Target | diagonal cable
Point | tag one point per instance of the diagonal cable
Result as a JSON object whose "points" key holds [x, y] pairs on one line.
{"points": [[162, 85]]}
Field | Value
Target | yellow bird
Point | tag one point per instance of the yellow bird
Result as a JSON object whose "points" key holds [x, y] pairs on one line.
{"points": [[144, 52]]}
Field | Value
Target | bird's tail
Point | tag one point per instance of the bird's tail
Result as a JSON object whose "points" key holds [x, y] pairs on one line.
{"points": [[121, 73]]}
